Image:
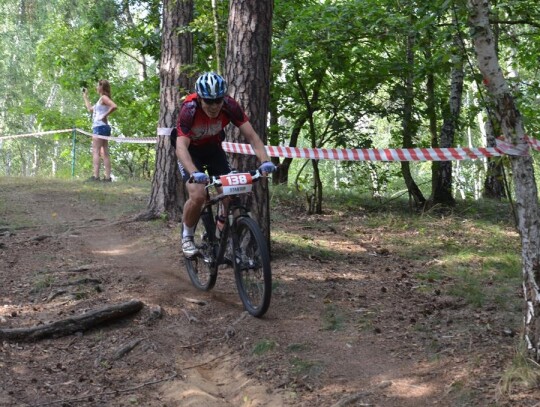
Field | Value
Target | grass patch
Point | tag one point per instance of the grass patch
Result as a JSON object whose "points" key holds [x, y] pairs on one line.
{"points": [[42, 283], [365, 321], [264, 346], [470, 251], [332, 318], [461, 393], [470, 288], [102, 199], [301, 245], [297, 347], [303, 367], [488, 277], [522, 374], [276, 284]]}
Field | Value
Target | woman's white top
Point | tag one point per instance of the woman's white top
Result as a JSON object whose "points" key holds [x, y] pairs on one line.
{"points": [[99, 110]]}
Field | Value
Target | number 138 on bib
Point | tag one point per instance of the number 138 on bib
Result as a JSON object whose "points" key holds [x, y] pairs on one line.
{"points": [[236, 183]]}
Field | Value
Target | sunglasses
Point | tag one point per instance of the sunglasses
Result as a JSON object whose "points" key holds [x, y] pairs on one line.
{"points": [[213, 101]]}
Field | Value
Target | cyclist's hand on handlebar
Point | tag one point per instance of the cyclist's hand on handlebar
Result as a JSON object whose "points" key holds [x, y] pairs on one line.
{"points": [[267, 167], [199, 178]]}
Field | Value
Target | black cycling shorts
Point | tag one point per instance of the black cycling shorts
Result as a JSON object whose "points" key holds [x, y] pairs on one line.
{"points": [[210, 159]]}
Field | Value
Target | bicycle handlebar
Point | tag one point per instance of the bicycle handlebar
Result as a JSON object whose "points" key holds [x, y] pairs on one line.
{"points": [[216, 181]]}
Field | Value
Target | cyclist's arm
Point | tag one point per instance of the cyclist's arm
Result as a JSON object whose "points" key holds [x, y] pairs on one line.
{"points": [[253, 138], [182, 153]]}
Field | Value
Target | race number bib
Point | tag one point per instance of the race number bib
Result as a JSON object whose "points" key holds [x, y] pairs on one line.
{"points": [[236, 183]]}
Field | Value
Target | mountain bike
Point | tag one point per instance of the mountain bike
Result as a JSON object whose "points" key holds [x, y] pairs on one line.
{"points": [[238, 241]]}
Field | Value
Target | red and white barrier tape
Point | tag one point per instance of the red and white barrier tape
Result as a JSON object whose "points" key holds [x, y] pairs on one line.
{"points": [[41, 133], [534, 143], [383, 154], [133, 140], [341, 154]]}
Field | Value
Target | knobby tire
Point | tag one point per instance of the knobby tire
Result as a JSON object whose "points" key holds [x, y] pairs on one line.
{"points": [[252, 270], [202, 268]]}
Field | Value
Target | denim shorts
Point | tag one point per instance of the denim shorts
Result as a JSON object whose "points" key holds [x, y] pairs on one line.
{"points": [[102, 130]]}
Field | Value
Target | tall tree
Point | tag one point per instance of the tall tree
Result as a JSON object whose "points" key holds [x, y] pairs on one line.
{"points": [[325, 84], [494, 183], [217, 43], [527, 207], [409, 127], [176, 51], [442, 192], [248, 75]]}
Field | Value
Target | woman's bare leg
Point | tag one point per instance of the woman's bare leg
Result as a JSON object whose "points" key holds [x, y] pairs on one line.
{"points": [[96, 147], [106, 158]]}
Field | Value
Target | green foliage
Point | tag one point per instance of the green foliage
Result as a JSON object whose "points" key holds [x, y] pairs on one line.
{"points": [[202, 28], [65, 46], [338, 80]]}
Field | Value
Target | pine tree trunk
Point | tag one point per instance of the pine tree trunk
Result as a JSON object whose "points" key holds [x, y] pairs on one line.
{"points": [[248, 75], [168, 193], [522, 167]]}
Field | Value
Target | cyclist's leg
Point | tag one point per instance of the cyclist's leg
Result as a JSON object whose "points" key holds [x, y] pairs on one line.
{"points": [[219, 165], [192, 208]]}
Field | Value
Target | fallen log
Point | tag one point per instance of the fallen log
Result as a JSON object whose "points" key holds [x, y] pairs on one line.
{"points": [[73, 324]]}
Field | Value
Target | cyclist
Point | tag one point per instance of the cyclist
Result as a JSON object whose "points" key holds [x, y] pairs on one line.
{"points": [[201, 121]]}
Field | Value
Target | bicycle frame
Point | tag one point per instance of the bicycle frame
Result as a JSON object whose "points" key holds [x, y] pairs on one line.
{"points": [[235, 209], [249, 255]]}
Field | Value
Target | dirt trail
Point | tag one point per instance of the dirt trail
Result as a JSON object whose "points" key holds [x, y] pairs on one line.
{"points": [[336, 330]]}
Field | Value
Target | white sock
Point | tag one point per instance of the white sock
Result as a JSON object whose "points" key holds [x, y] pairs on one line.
{"points": [[187, 231]]}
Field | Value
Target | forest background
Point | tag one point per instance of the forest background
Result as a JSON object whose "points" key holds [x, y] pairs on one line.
{"points": [[355, 74], [369, 74]]}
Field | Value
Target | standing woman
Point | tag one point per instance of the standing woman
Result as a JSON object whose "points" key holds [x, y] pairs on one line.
{"points": [[100, 127]]}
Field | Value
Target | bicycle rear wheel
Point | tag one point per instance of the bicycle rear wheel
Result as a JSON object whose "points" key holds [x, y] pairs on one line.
{"points": [[202, 268], [252, 267]]}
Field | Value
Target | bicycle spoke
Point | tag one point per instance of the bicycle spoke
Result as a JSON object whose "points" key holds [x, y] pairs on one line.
{"points": [[252, 267]]}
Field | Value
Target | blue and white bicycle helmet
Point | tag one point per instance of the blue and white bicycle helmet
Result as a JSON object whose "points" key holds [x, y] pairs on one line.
{"points": [[210, 85]]}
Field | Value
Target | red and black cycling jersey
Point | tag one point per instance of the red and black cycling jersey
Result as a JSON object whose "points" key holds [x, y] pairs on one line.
{"points": [[201, 129]]}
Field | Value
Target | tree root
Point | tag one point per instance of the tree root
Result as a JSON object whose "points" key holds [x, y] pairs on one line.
{"points": [[74, 324]]}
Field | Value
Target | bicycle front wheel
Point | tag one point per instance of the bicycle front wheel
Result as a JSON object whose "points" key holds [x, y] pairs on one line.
{"points": [[252, 267], [202, 268]]}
